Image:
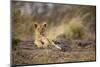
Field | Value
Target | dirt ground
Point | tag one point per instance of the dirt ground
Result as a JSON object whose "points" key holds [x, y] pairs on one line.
{"points": [[72, 51]]}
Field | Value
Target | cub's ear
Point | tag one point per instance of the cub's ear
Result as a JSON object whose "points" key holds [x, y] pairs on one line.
{"points": [[35, 25], [44, 24]]}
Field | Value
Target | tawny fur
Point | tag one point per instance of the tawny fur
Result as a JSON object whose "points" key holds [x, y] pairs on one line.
{"points": [[41, 40]]}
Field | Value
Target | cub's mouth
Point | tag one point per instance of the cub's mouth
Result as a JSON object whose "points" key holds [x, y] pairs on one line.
{"points": [[43, 34]]}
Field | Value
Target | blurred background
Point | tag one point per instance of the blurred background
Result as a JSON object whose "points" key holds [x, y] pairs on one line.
{"points": [[72, 21]]}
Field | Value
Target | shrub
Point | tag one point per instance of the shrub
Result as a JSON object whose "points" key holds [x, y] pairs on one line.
{"points": [[75, 30]]}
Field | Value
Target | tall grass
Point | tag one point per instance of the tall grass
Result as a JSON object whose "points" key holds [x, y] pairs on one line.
{"points": [[75, 29]]}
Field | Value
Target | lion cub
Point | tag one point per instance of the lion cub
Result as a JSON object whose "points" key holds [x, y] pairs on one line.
{"points": [[41, 40]]}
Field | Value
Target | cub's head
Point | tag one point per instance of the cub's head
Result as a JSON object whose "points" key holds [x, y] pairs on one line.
{"points": [[40, 28]]}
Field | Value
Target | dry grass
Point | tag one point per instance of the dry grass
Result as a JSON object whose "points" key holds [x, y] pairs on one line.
{"points": [[50, 56]]}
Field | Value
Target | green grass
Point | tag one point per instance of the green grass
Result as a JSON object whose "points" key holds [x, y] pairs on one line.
{"points": [[75, 29]]}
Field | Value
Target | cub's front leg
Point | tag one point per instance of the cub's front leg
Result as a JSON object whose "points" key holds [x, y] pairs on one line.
{"points": [[45, 42], [38, 44]]}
